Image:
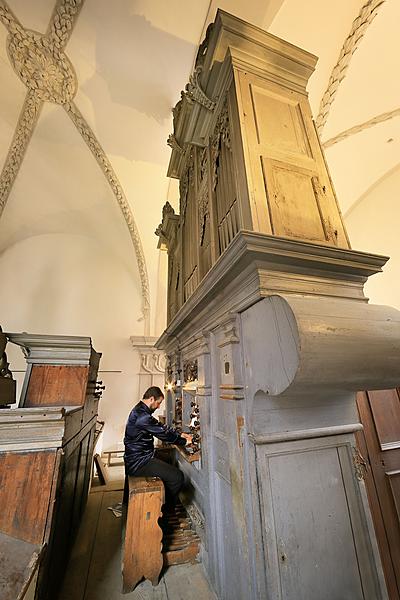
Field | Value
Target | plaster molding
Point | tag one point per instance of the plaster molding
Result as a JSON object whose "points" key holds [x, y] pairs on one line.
{"points": [[361, 127], [41, 66], [26, 124], [63, 21], [108, 171], [358, 29], [49, 76], [143, 341]]}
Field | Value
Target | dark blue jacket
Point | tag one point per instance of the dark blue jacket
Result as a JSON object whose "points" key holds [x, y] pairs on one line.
{"points": [[139, 437]]}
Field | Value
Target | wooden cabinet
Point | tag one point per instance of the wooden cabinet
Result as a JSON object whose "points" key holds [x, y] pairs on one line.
{"points": [[46, 448]]}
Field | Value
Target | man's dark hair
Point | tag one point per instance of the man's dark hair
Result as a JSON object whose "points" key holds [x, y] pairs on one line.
{"points": [[154, 392]]}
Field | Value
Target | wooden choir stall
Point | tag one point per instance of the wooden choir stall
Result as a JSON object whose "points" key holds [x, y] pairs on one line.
{"points": [[46, 449], [269, 332]]}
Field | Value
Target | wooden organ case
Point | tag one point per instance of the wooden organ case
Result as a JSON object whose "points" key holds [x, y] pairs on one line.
{"points": [[46, 449], [266, 297]]}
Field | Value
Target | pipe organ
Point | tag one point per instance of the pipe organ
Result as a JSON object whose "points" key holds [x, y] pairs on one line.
{"points": [[266, 300]]}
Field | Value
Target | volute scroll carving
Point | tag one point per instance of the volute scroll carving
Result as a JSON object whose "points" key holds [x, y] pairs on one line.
{"points": [[194, 92]]}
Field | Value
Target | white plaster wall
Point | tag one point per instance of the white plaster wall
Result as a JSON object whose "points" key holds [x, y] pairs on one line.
{"points": [[373, 225], [72, 285]]}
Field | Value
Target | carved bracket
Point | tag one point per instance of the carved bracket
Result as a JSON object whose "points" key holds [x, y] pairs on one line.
{"points": [[194, 92]]}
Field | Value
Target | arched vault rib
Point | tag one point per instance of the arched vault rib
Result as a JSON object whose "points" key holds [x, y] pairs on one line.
{"points": [[46, 71], [359, 26], [362, 127], [105, 165]]}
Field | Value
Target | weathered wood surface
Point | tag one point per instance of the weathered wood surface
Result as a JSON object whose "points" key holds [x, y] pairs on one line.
{"points": [[379, 443], [180, 542], [57, 385], [142, 556], [19, 561], [26, 480]]}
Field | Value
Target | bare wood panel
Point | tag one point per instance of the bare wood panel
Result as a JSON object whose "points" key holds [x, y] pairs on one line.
{"points": [[387, 421], [142, 555], [277, 126], [285, 186], [383, 490], [394, 482], [279, 122], [54, 385], [25, 487]]}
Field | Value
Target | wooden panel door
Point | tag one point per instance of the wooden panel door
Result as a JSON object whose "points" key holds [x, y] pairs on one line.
{"points": [[288, 179], [380, 446]]}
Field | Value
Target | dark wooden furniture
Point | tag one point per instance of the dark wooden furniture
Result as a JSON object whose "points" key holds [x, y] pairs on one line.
{"points": [[142, 552], [19, 562], [379, 443], [46, 448]]}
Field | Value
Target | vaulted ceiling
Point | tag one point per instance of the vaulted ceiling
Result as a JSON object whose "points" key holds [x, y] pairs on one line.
{"points": [[85, 108]]}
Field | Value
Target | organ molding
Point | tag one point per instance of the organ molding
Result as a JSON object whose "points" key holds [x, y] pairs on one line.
{"points": [[49, 76]]}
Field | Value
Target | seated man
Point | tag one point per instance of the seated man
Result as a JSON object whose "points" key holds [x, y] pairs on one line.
{"points": [[139, 445]]}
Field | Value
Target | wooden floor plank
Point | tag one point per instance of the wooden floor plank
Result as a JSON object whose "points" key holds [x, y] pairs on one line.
{"points": [[105, 568], [74, 584], [101, 546]]}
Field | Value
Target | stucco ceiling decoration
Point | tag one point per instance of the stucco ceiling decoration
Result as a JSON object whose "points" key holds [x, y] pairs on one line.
{"points": [[26, 124], [362, 126], [49, 76], [359, 26]]}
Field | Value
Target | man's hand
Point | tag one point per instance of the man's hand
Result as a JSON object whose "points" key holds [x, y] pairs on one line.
{"points": [[188, 437]]}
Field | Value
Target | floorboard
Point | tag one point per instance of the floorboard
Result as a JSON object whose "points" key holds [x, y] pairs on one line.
{"points": [[94, 570], [74, 584]]}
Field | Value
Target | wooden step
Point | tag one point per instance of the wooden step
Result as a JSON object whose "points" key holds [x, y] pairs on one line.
{"points": [[180, 542]]}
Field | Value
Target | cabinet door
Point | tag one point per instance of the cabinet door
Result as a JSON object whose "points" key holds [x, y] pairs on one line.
{"points": [[380, 444]]}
